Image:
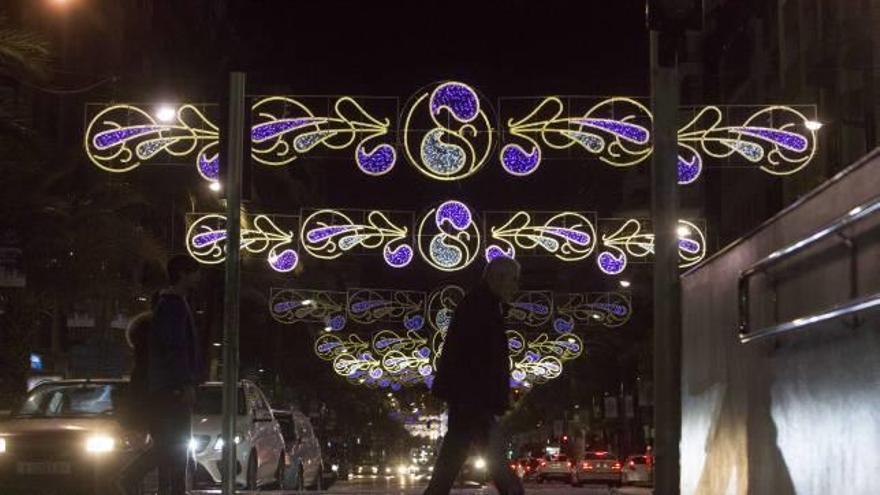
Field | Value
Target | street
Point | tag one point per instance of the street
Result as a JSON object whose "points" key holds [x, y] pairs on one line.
{"points": [[397, 486]]}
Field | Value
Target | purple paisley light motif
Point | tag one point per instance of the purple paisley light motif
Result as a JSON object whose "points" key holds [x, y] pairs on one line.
{"points": [[689, 246], [284, 306], [576, 236], [562, 325], [202, 240], [268, 130], [610, 264], [336, 322], [631, 132], [414, 322], [379, 161], [425, 371], [108, 139], [788, 140], [284, 262], [364, 306], [321, 233], [495, 251], [459, 99], [209, 166], [424, 352], [376, 373], [396, 386], [517, 162], [531, 307], [689, 170], [454, 212], [398, 257]]}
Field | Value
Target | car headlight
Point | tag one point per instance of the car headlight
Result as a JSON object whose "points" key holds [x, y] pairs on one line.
{"points": [[199, 443], [2, 445], [334, 468], [388, 470], [403, 469], [218, 445], [100, 444], [480, 463], [375, 470]]}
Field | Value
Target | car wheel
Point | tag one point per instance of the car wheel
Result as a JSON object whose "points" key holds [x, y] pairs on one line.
{"points": [[251, 476]]}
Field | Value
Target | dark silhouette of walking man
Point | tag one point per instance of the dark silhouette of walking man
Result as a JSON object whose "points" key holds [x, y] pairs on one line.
{"points": [[174, 373], [473, 377]]}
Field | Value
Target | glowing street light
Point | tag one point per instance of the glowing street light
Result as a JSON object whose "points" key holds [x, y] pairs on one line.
{"points": [[813, 125], [215, 186], [683, 231], [166, 113], [625, 283]]}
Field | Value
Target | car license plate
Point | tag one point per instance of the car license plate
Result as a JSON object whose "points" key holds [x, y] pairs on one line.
{"points": [[52, 468]]}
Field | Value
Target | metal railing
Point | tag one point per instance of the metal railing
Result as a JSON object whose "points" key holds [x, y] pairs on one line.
{"points": [[852, 306]]}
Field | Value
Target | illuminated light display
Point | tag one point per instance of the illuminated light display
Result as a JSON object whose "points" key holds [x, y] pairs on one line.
{"points": [[631, 240], [531, 308], [285, 129], [441, 306], [568, 236], [330, 346], [615, 130], [779, 139], [608, 309], [367, 306], [328, 234], [291, 306], [120, 138], [447, 134], [206, 241], [448, 237]]}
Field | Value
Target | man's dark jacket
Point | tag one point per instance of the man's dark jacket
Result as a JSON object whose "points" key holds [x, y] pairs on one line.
{"points": [[474, 366], [174, 360]]}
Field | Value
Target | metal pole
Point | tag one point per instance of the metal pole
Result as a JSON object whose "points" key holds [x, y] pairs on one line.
{"points": [[667, 305], [230, 322]]}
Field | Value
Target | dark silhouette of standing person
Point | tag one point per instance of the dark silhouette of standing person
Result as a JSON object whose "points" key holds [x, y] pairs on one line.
{"points": [[473, 377], [174, 373], [134, 412]]}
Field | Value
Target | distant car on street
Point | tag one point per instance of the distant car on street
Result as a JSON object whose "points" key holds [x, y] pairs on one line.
{"points": [[475, 471], [305, 467], [597, 467], [637, 469], [556, 467], [260, 451], [65, 438]]}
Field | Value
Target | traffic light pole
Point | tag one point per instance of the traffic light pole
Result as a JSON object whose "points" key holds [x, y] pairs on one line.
{"points": [[667, 292], [231, 297]]}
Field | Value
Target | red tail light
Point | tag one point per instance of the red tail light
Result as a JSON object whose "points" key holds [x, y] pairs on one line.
{"points": [[570, 465], [616, 466], [632, 465], [587, 465], [543, 463]]}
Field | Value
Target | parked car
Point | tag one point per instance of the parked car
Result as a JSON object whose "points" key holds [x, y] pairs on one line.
{"points": [[556, 467], [305, 467], [65, 438], [637, 469], [597, 466], [260, 451]]}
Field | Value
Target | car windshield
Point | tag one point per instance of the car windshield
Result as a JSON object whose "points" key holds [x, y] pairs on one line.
{"points": [[66, 400], [209, 401]]}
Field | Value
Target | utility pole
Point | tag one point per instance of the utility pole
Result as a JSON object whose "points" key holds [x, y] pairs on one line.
{"points": [[234, 159], [667, 292]]}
